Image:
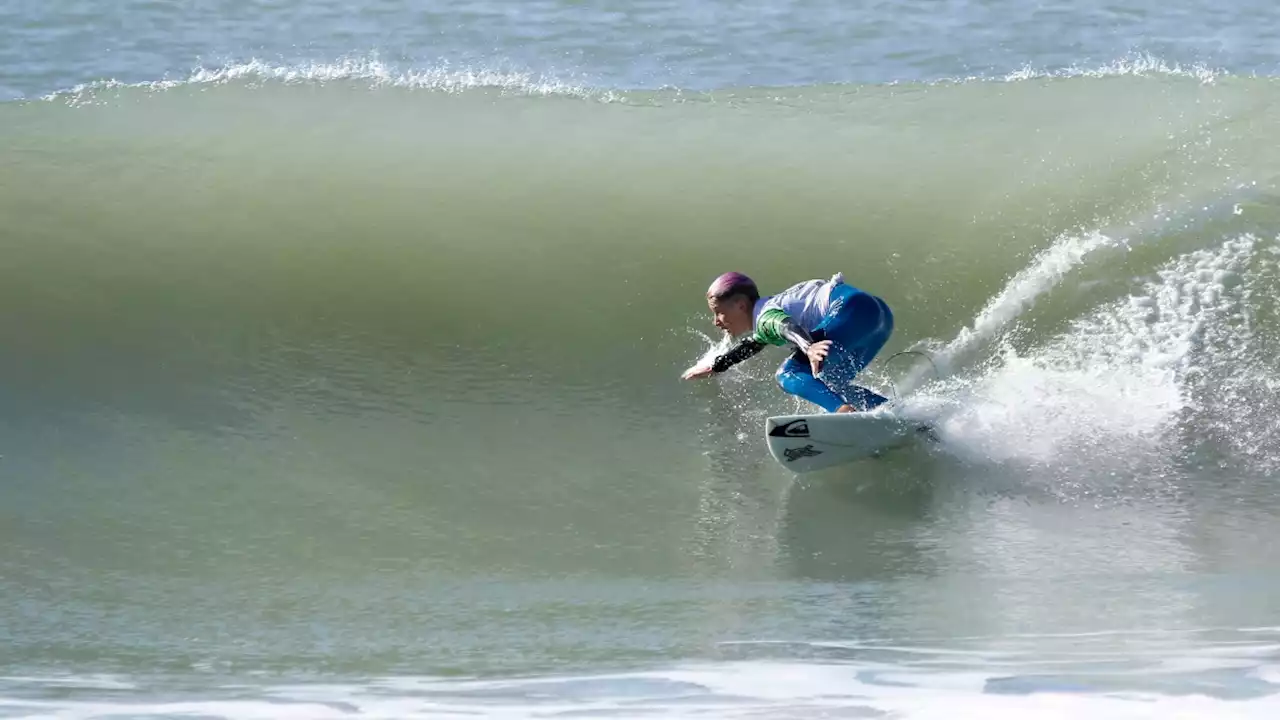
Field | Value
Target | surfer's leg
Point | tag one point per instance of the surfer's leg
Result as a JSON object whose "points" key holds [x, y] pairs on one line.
{"points": [[858, 325], [796, 377]]}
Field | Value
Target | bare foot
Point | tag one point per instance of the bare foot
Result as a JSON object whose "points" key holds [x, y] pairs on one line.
{"points": [[846, 408]]}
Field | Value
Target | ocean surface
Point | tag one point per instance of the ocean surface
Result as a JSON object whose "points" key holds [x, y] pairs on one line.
{"points": [[342, 342]]}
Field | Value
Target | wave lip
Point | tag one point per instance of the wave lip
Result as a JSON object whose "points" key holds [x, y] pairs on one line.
{"points": [[1137, 65], [445, 77], [375, 73]]}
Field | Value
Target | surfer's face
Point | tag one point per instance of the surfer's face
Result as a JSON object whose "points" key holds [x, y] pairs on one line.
{"points": [[732, 314]]}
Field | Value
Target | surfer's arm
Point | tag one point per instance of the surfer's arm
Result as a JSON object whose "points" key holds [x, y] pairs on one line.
{"points": [[774, 328], [794, 334], [743, 350], [746, 348], [778, 328]]}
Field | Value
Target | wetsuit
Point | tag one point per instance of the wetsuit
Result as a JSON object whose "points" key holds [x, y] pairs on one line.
{"points": [[857, 323]]}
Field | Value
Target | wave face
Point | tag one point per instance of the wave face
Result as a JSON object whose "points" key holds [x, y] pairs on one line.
{"points": [[376, 374], [188, 233]]}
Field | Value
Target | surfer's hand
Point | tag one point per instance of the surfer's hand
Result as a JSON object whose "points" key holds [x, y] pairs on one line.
{"points": [[817, 352], [697, 371]]}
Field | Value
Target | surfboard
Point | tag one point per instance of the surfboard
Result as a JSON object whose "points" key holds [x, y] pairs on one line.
{"points": [[804, 443]]}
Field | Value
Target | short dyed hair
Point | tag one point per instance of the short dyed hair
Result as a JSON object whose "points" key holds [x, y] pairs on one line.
{"points": [[733, 283]]}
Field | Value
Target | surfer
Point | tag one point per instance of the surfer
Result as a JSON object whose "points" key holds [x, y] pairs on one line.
{"points": [[835, 330]]}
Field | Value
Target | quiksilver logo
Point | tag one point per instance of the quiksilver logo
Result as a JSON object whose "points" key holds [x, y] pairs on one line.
{"points": [[795, 428], [796, 453]]}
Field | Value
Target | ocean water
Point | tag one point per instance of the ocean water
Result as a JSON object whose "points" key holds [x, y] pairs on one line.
{"points": [[342, 345]]}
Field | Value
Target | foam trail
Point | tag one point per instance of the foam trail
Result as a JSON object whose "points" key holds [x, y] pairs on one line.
{"points": [[1106, 390], [1234, 679], [1022, 291]]}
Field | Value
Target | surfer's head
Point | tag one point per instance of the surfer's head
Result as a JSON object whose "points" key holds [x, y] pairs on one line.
{"points": [[731, 298]]}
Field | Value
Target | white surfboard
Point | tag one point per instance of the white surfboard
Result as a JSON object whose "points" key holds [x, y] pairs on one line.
{"points": [[804, 443]]}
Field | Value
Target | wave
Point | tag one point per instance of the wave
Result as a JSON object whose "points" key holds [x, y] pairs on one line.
{"points": [[333, 216]]}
